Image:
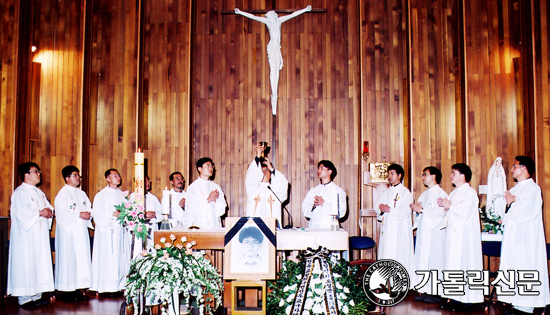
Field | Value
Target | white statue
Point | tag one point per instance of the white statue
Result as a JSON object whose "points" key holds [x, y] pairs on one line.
{"points": [[274, 56], [496, 186]]}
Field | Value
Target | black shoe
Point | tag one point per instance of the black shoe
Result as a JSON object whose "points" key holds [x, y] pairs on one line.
{"points": [[67, 296], [432, 299], [420, 298], [30, 305], [453, 306], [81, 295]]}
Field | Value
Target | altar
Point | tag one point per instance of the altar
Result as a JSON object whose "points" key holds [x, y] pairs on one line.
{"points": [[291, 239]]}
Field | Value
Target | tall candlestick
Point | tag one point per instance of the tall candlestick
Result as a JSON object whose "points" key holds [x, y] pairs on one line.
{"points": [[140, 177], [166, 201]]}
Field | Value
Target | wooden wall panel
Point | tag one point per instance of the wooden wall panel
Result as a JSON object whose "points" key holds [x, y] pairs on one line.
{"points": [[113, 73], [318, 108], [9, 38], [383, 71], [56, 139], [492, 41], [434, 51], [541, 56], [167, 64]]}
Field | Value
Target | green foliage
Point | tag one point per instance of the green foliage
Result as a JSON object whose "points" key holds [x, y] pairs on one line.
{"points": [[351, 298], [174, 268]]}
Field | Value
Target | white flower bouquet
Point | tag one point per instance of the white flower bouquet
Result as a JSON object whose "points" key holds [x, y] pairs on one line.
{"points": [[174, 268]]}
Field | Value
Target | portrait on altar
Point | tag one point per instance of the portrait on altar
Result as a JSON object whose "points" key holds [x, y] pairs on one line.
{"points": [[249, 248]]}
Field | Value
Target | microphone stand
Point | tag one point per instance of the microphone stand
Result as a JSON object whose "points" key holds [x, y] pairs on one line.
{"points": [[290, 216]]}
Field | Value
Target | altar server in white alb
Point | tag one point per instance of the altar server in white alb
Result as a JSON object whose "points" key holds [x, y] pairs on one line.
{"points": [[430, 238], [266, 188], [392, 209], [153, 212], [73, 261], [523, 242], [326, 201], [111, 253], [463, 236], [30, 257], [205, 199], [176, 197]]}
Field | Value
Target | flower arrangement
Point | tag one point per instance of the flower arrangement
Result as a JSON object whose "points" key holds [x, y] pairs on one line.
{"points": [[174, 268], [490, 221], [350, 297], [132, 215]]}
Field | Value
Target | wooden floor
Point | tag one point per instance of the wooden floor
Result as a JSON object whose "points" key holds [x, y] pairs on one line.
{"points": [[101, 306]]}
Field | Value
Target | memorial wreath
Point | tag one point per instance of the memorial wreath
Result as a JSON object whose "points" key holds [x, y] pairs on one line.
{"points": [[317, 285]]}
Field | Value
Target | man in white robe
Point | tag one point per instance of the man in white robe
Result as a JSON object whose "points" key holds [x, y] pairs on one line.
{"points": [[176, 198], [205, 199], [463, 236], [30, 257], [326, 202], [153, 212], [111, 252], [73, 261], [266, 188], [430, 238], [523, 242], [392, 209]]}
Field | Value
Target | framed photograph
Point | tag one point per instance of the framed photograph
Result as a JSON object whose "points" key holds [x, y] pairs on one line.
{"points": [[249, 248], [379, 172]]}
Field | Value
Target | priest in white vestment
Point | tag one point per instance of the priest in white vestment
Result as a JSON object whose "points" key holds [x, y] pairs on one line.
{"points": [[176, 198], [266, 188], [463, 235], [326, 202], [73, 261], [205, 203], [30, 257], [430, 238], [523, 242], [153, 212], [111, 252], [393, 210]]}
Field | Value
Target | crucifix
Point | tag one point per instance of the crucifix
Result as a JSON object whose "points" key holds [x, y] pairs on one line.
{"points": [[274, 56]]}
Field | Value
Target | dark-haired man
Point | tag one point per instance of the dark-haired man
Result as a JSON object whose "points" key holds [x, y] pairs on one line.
{"points": [[178, 196], [205, 199], [73, 262], [251, 238], [325, 201], [523, 242], [430, 238], [111, 252], [266, 188], [392, 208], [30, 257], [463, 236]]}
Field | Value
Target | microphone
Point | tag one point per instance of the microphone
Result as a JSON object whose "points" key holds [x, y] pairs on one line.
{"points": [[288, 226]]}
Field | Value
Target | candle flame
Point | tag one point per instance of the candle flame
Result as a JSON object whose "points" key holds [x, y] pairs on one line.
{"points": [[139, 150]]}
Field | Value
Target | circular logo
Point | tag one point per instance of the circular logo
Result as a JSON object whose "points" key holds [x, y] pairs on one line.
{"points": [[386, 282]]}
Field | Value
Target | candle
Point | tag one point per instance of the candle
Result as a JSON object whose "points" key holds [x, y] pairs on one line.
{"points": [[166, 201], [140, 177]]}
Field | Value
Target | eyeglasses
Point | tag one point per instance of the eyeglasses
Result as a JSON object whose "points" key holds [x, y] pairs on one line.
{"points": [[516, 166], [35, 171], [426, 174], [208, 165], [248, 243]]}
